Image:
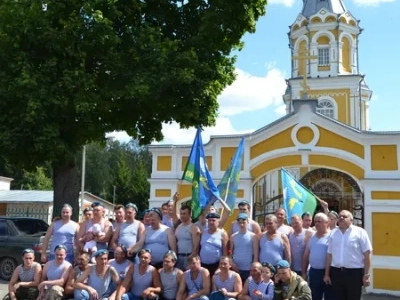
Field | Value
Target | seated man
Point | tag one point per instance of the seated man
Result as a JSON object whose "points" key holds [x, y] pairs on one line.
{"points": [[288, 284]]}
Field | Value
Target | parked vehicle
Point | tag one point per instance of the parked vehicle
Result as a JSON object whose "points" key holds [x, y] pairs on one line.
{"points": [[17, 234]]}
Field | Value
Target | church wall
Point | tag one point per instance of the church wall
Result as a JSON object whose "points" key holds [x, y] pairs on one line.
{"points": [[382, 216]]}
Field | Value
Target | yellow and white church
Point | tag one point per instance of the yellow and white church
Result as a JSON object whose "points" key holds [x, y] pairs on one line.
{"points": [[324, 141]]}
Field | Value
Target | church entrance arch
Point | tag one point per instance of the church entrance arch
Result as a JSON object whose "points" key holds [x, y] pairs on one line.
{"points": [[338, 189]]}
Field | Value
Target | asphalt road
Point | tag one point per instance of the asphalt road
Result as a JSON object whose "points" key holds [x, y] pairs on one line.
{"points": [[4, 284]]}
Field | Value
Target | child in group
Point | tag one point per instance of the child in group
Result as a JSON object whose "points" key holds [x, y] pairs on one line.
{"points": [[91, 246], [267, 274]]}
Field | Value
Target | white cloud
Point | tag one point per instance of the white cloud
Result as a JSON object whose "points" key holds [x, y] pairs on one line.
{"points": [[372, 2], [287, 3], [280, 111], [248, 93], [174, 135]]}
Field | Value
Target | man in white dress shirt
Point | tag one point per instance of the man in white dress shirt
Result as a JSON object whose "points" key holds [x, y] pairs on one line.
{"points": [[348, 261]]}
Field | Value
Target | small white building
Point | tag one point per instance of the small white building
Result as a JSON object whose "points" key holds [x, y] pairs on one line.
{"points": [[38, 204]]}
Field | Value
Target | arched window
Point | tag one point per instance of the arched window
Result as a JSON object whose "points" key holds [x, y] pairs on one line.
{"points": [[326, 108]]}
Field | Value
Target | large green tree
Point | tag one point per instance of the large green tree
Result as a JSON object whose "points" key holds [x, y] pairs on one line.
{"points": [[72, 70]]}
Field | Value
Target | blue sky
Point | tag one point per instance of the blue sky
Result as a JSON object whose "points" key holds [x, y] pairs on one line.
{"points": [[255, 99]]}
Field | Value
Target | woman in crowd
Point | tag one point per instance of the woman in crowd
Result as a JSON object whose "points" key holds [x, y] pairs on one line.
{"points": [[170, 276], [99, 278], [226, 282], [143, 280], [25, 279], [55, 275]]}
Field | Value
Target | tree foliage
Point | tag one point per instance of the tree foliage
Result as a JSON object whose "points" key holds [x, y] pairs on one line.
{"points": [[75, 70]]}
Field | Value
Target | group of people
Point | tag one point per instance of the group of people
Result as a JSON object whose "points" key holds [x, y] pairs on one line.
{"points": [[167, 256]]}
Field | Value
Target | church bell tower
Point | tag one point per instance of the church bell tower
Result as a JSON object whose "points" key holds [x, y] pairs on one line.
{"points": [[324, 45]]}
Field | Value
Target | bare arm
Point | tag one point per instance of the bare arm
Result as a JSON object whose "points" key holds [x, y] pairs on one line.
{"points": [[126, 283], [205, 291], [367, 262], [141, 229], [69, 287], [195, 233], [81, 234], [108, 230], [114, 238], [13, 280], [213, 286], [225, 214], [305, 260], [175, 216], [286, 245], [245, 291], [139, 245], [171, 240], [156, 288], [79, 282], [256, 248], [256, 227], [225, 240], [182, 288], [328, 264], [46, 239], [237, 288]]}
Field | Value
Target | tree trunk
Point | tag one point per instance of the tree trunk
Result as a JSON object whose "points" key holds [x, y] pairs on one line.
{"points": [[66, 187]]}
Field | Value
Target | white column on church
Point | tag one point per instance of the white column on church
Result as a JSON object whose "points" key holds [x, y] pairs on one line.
{"points": [[314, 62], [335, 57]]}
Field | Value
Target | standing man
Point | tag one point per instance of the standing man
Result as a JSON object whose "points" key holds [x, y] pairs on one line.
{"points": [[129, 232], [64, 232], [348, 261], [187, 238], [280, 215], [105, 224], [253, 226], [297, 244], [315, 256]]}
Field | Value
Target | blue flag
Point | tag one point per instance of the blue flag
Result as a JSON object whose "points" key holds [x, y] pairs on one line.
{"points": [[196, 172], [296, 198], [229, 183]]}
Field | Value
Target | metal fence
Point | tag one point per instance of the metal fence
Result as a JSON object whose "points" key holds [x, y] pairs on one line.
{"points": [[38, 211]]}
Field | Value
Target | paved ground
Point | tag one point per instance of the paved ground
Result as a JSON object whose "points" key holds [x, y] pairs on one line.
{"points": [[3, 292]]}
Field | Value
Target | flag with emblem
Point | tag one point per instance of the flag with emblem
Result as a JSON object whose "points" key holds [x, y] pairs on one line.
{"points": [[296, 198], [196, 172], [229, 183]]}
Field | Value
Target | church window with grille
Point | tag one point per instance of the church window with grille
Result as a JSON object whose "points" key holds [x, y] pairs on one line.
{"points": [[323, 56], [326, 108]]}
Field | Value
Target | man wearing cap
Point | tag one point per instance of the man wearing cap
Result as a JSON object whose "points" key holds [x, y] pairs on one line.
{"points": [[288, 284], [213, 244], [157, 238], [105, 224], [253, 226], [129, 232], [348, 261], [244, 247]]}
